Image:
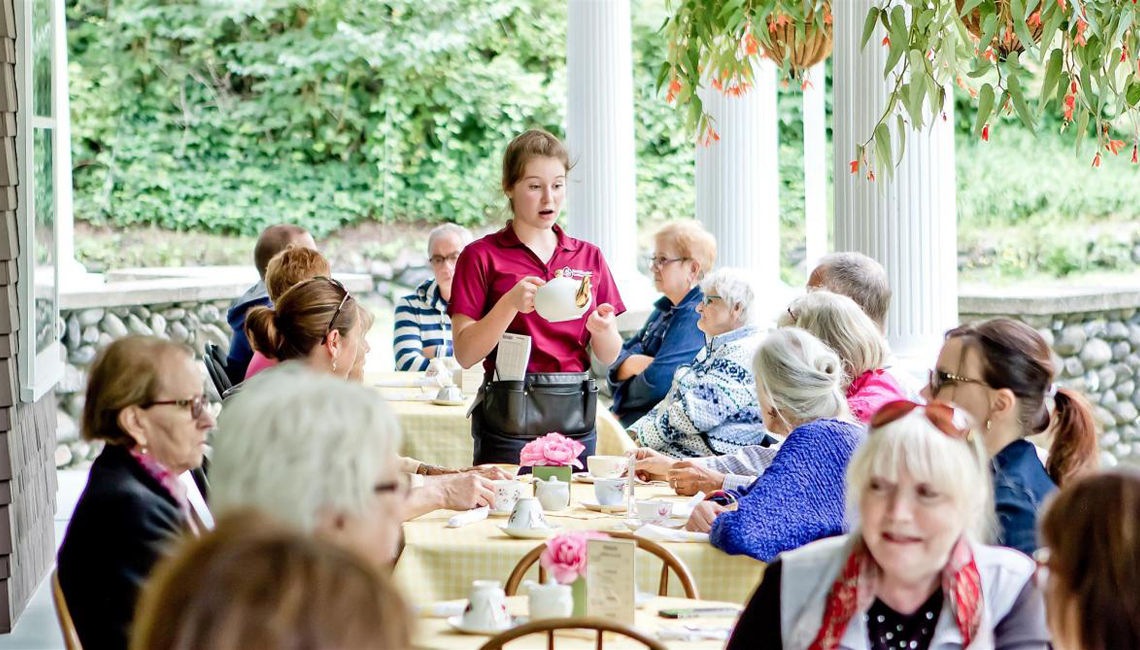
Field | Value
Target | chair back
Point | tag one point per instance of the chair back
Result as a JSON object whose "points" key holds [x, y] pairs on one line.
{"points": [[66, 625], [669, 562], [216, 368], [550, 625]]}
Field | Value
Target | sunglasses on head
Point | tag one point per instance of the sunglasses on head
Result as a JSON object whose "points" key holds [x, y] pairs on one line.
{"points": [[940, 414], [338, 285]]}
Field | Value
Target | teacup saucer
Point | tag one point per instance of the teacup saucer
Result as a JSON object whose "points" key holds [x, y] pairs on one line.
{"points": [[633, 523], [456, 623], [597, 507], [583, 477], [448, 402], [529, 533], [499, 513]]}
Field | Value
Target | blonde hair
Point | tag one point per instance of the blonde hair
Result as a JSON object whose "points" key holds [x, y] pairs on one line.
{"points": [[535, 143], [692, 241], [252, 584], [954, 466], [799, 375], [128, 372], [840, 323], [293, 265]]}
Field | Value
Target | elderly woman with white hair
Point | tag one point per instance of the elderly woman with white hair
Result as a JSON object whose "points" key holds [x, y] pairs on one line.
{"points": [[711, 407], [916, 573], [316, 452], [799, 497], [840, 323]]}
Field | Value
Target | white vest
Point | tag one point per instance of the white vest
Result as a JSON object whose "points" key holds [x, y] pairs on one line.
{"points": [[809, 572]]}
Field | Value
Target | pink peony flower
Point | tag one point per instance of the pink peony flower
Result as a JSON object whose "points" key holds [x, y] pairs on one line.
{"points": [[553, 449], [565, 555]]}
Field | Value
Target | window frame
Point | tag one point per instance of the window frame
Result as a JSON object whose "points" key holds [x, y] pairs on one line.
{"points": [[39, 370]]}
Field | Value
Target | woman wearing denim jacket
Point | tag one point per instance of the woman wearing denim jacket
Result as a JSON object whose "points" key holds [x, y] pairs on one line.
{"points": [[1001, 372], [683, 253], [711, 408]]}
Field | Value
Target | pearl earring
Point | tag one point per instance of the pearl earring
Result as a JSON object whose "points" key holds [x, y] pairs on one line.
{"points": [[334, 365]]}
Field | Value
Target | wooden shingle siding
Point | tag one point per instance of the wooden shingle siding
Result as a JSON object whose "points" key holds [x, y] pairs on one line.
{"points": [[27, 431]]}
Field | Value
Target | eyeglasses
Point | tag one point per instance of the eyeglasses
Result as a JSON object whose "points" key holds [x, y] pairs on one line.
{"points": [[940, 414], [660, 262], [197, 404], [439, 260], [332, 321], [792, 314], [1041, 572], [707, 300], [938, 380]]}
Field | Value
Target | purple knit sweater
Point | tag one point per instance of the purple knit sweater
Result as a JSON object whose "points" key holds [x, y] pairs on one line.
{"points": [[798, 499]]}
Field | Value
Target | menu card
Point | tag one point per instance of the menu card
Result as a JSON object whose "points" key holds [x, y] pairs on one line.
{"points": [[512, 356], [610, 584]]}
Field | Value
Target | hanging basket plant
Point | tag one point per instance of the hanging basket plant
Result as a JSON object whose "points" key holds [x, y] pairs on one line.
{"points": [[715, 44], [1083, 54]]}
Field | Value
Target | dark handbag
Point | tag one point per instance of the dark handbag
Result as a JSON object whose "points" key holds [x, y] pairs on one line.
{"points": [[566, 402]]}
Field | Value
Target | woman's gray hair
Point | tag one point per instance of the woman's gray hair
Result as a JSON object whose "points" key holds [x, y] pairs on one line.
{"points": [[464, 234], [951, 466], [735, 288], [800, 376], [840, 323], [299, 445]]}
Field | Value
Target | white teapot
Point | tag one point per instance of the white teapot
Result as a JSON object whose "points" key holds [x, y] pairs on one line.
{"points": [[563, 298], [552, 494], [550, 600]]}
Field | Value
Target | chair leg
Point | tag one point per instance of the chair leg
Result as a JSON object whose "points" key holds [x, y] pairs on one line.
{"points": [[663, 588]]}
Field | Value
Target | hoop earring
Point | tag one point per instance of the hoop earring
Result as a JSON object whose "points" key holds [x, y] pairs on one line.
{"points": [[987, 425]]}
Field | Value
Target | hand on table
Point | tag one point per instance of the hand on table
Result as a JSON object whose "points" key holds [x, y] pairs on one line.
{"points": [[465, 491], [687, 478], [493, 472], [703, 516], [651, 465]]}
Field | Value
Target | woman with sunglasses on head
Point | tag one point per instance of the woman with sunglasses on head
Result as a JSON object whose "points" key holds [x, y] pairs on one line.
{"points": [[496, 281], [319, 323], [683, 254], [1001, 372], [1089, 566], [145, 401], [799, 497], [915, 573], [711, 408]]}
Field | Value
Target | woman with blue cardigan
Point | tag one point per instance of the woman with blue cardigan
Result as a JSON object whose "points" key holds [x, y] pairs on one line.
{"points": [[800, 497]]}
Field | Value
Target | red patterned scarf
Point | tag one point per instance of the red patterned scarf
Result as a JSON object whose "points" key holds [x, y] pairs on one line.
{"points": [[854, 591], [168, 480]]}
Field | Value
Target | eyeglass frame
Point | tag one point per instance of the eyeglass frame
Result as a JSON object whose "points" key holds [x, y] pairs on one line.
{"points": [[439, 260], [940, 414], [662, 262], [707, 300], [946, 378], [197, 403], [343, 301]]}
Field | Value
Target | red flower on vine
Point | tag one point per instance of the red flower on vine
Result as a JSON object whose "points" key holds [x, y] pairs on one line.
{"points": [[1115, 146], [674, 88], [1061, 4], [1096, 160], [1034, 19], [751, 45], [855, 166], [986, 133], [1079, 39], [1070, 105], [1135, 148], [717, 84], [886, 41]]}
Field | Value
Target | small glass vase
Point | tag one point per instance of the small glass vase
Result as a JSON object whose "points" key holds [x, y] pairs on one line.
{"points": [[578, 588]]}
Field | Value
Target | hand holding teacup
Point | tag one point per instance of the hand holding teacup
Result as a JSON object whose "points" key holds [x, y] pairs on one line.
{"points": [[651, 465]]}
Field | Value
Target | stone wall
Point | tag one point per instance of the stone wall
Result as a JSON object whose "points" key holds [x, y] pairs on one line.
{"points": [[1095, 336]]}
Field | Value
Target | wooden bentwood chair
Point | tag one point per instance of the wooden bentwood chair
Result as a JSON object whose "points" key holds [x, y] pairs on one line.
{"points": [[549, 626], [669, 561], [66, 625]]}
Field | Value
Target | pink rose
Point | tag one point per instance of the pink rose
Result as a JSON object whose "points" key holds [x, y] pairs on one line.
{"points": [[565, 555], [553, 449]]}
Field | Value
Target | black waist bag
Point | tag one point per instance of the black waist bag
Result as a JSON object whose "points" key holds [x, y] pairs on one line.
{"points": [[566, 402]]}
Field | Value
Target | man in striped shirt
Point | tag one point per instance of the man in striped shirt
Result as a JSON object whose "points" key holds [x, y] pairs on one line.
{"points": [[423, 329]]}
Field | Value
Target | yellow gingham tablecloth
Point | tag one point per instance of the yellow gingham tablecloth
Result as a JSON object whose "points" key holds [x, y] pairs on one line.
{"points": [[436, 634], [441, 435], [440, 563]]}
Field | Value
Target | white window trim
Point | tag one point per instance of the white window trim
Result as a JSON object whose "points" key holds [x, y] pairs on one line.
{"points": [[38, 372]]}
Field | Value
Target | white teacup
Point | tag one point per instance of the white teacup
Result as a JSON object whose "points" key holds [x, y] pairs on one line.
{"points": [[609, 491], [449, 394], [487, 607], [606, 466], [527, 514], [507, 493], [654, 511], [550, 600]]}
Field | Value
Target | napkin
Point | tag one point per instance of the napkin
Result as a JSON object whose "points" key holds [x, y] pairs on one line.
{"points": [[656, 533], [685, 509], [693, 633], [469, 517]]}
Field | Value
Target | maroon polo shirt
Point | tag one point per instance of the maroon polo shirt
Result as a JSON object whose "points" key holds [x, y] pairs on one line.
{"points": [[490, 267]]}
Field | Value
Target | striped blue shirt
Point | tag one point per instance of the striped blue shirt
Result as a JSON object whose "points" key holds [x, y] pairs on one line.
{"points": [[421, 322]]}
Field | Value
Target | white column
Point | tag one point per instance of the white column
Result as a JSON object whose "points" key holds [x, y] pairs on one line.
{"points": [[738, 178], [815, 165], [602, 201], [68, 267], [908, 223]]}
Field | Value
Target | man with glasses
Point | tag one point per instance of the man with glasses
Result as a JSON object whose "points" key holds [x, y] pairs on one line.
{"points": [[423, 328]]}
